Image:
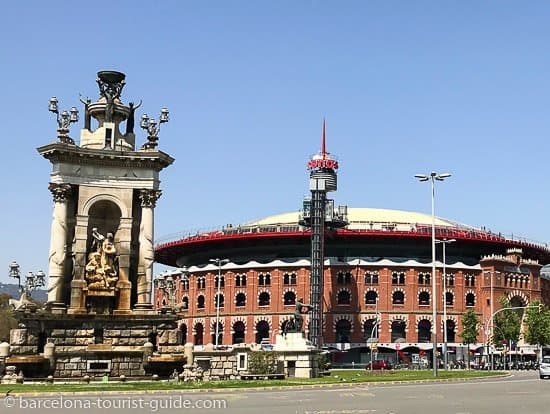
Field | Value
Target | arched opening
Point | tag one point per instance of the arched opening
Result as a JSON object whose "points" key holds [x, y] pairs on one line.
{"points": [[449, 298], [185, 303], [199, 334], [369, 330], [371, 297], [262, 331], [289, 298], [104, 215], [423, 298], [451, 330], [238, 332], [343, 298], [397, 330], [424, 331], [398, 298], [182, 334], [219, 300], [343, 331], [220, 333], [470, 299], [240, 299], [517, 301], [200, 302], [263, 299]]}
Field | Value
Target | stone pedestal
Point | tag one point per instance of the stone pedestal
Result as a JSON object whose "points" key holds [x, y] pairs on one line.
{"points": [[300, 357]]}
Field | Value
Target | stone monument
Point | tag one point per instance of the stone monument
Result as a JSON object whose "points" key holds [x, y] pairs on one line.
{"points": [[99, 314]]}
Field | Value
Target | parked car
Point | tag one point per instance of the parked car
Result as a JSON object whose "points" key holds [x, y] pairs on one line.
{"points": [[544, 367], [379, 365]]}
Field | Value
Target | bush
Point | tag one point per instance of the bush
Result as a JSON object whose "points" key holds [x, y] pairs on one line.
{"points": [[263, 362]]}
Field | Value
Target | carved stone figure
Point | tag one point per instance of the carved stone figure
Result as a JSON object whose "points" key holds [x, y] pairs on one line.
{"points": [[102, 267], [87, 115]]}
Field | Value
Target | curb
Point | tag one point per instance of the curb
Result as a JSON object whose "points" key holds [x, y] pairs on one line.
{"points": [[251, 389]]}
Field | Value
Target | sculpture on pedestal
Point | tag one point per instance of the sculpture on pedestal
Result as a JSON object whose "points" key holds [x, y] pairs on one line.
{"points": [[296, 323], [102, 266]]}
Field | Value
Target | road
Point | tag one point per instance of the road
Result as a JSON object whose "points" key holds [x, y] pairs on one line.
{"points": [[522, 393]]}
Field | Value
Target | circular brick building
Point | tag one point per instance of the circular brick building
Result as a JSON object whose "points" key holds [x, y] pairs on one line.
{"points": [[379, 264]]}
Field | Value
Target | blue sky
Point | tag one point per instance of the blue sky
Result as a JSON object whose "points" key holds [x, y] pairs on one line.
{"points": [[406, 86]]}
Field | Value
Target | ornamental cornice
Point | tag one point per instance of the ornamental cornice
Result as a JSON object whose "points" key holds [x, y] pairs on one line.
{"points": [[59, 153]]}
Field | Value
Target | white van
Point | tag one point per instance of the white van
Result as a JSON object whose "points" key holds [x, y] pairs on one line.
{"points": [[544, 369]]}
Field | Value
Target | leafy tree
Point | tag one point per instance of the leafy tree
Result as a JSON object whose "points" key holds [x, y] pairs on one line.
{"points": [[263, 362], [537, 321], [470, 330], [7, 319], [506, 324]]}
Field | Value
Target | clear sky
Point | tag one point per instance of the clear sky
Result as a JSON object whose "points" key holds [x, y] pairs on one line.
{"points": [[406, 87]]}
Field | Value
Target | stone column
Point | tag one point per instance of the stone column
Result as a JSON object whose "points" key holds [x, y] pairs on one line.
{"points": [[58, 240], [146, 252], [124, 285]]}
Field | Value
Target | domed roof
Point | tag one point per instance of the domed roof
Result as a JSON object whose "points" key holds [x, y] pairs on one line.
{"points": [[360, 218]]}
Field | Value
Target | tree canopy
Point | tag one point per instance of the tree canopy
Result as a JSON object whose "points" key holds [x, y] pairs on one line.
{"points": [[537, 321]]}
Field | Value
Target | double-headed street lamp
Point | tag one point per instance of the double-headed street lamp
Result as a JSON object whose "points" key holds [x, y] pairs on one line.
{"points": [[433, 177], [444, 242], [64, 119], [32, 280], [152, 128], [219, 262]]}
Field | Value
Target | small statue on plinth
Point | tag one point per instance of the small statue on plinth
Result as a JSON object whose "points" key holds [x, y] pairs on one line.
{"points": [[296, 322], [102, 266]]}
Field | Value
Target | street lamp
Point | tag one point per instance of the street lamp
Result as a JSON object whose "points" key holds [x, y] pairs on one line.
{"points": [[152, 128], [433, 177], [219, 262], [32, 280], [64, 119], [444, 242]]}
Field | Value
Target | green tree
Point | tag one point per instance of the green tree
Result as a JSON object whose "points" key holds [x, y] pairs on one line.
{"points": [[537, 321], [470, 330], [507, 324], [7, 318], [263, 362]]}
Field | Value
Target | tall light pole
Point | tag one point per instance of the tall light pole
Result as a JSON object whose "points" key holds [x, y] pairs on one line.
{"points": [[432, 178], [219, 262], [445, 354]]}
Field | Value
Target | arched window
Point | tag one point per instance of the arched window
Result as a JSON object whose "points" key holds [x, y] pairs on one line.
{"points": [[182, 334], [371, 297], [289, 298], [264, 299], [424, 331], [243, 280], [398, 298], [220, 333], [199, 332], [470, 299], [347, 278], [340, 278], [286, 279], [240, 300], [423, 298], [343, 331], [343, 298], [185, 303], [262, 331], [451, 330], [293, 279], [449, 298], [398, 278], [397, 330], [371, 278], [200, 302], [369, 329], [221, 280], [219, 300], [238, 332]]}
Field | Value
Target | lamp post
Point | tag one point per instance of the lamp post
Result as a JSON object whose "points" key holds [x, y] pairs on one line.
{"points": [[152, 128], [432, 178], [64, 119], [32, 280], [219, 262], [444, 242]]}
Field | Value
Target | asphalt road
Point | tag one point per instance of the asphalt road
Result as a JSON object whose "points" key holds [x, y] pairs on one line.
{"points": [[523, 393]]}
